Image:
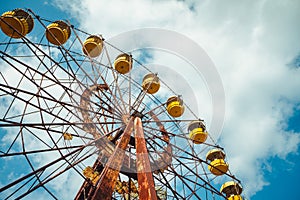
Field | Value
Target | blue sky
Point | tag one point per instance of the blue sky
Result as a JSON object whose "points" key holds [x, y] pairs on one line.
{"points": [[285, 173], [44, 8], [272, 41]]}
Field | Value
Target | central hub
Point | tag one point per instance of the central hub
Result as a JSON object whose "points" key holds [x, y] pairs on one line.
{"points": [[126, 118], [138, 114]]}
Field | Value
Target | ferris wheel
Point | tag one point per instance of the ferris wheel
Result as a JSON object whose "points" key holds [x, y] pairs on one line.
{"points": [[78, 112]]}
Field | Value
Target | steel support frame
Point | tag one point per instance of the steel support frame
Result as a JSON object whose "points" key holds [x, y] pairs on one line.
{"points": [[109, 175], [145, 178]]}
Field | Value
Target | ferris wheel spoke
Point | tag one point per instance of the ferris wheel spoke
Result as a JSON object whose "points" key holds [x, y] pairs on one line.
{"points": [[38, 107], [88, 76], [206, 184], [40, 169], [37, 176], [151, 128], [40, 58], [37, 151], [7, 44], [37, 125], [107, 99], [138, 101], [120, 92], [32, 104], [26, 92], [49, 178], [201, 161], [115, 77], [113, 113], [22, 186], [57, 82], [194, 168], [43, 182], [182, 135], [70, 163], [188, 168], [170, 121], [175, 193], [182, 179], [129, 92]]}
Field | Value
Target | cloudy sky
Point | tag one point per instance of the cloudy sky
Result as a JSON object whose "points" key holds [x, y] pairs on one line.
{"points": [[254, 45]]}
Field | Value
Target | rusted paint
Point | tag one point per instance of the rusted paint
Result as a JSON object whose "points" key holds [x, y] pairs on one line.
{"points": [[89, 127], [110, 173], [146, 186], [162, 129]]}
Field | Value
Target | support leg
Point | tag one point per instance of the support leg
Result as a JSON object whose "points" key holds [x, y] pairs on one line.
{"points": [[146, 186], [110, 173]]}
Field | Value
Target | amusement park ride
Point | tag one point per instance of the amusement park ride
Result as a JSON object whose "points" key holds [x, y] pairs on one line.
{"points": [[82, 113]]}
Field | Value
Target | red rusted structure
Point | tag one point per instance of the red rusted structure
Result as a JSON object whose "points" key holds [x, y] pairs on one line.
{"points": [[110, 172], [145, 179]]}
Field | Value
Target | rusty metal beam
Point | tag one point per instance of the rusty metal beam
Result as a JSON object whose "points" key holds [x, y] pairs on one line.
{"points": [[146, 185], [110, 173]]}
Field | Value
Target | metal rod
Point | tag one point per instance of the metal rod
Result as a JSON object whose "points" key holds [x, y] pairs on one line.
{"points": [[111, 171], [145, 178], [39, 170]]}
